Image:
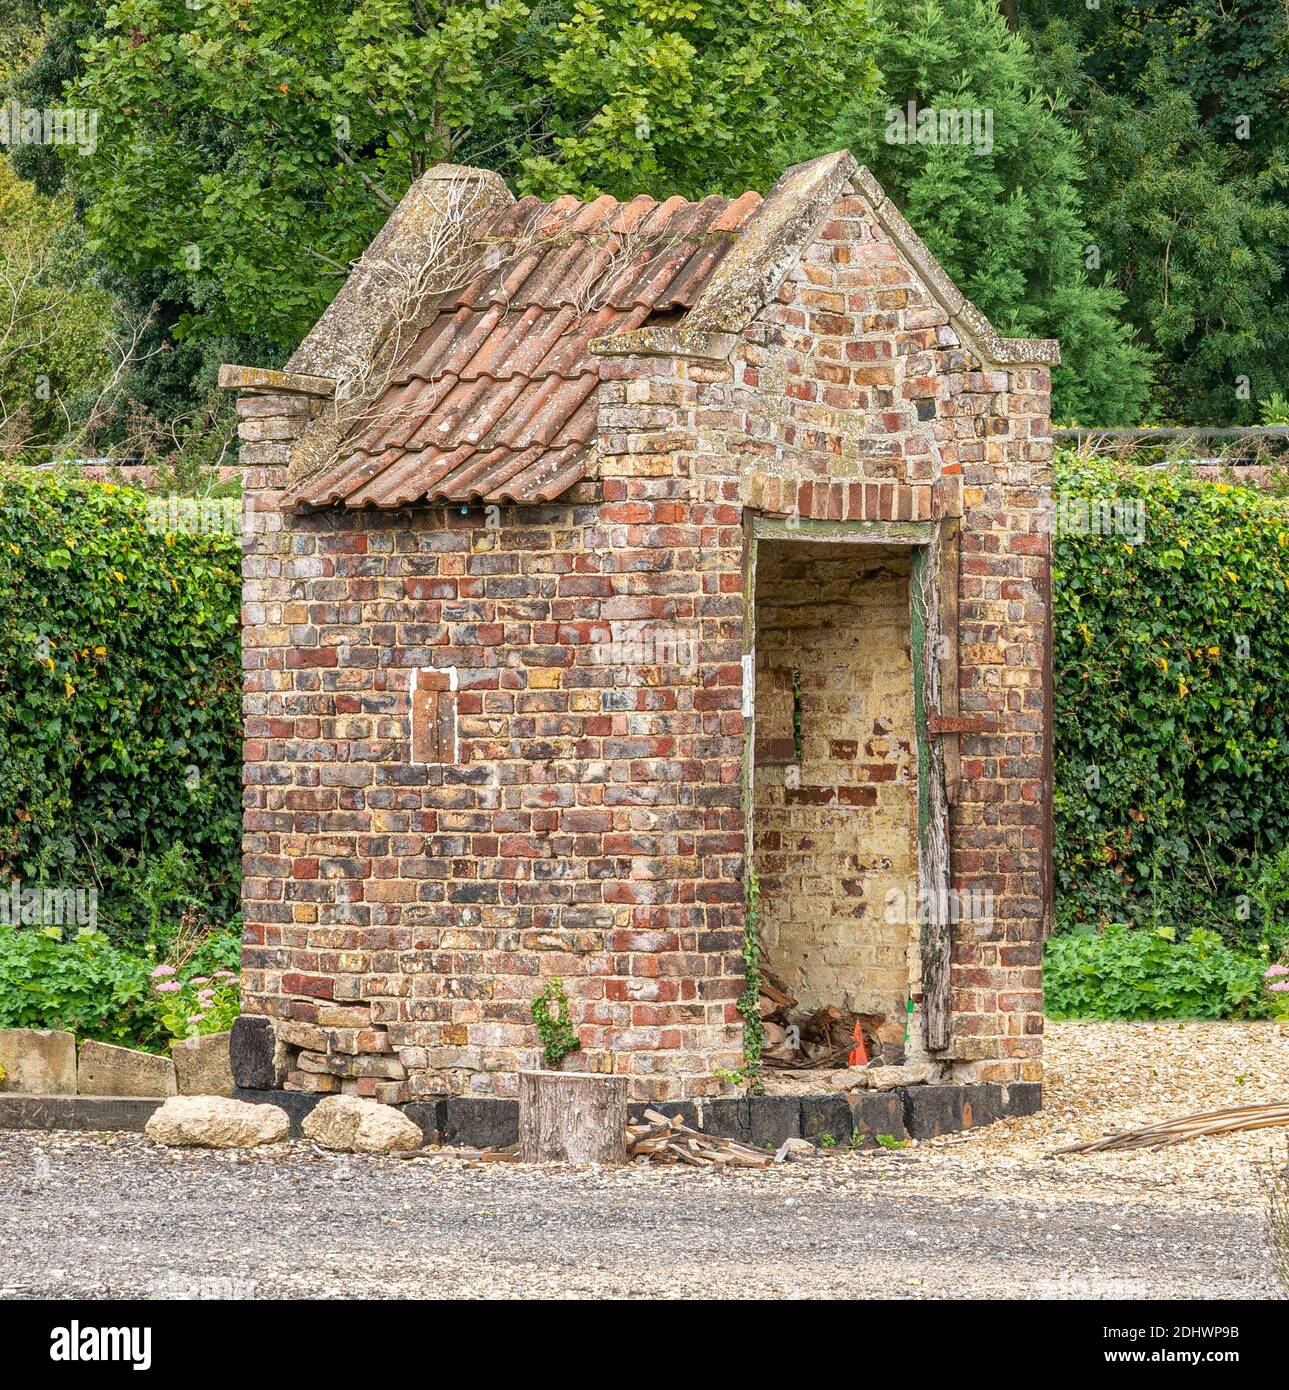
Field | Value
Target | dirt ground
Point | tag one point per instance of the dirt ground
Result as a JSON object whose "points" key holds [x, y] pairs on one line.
{"points": [[985, 1214]]}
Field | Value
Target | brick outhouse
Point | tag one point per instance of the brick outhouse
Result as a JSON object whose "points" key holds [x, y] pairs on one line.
{"points": [[616, 566]]}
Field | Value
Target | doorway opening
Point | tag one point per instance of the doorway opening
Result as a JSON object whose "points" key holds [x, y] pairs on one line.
{"points": [[834, 798]]}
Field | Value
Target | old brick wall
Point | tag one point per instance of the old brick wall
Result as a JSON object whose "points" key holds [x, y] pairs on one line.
{"points": [[401, 914], [834, 833]]}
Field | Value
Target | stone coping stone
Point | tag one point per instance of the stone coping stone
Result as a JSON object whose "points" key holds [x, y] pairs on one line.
{"points": [[38, 1061], [104, 1069], [911, 1112]]}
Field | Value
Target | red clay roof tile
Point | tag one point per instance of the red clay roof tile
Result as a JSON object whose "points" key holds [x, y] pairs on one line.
{"points": [[494, 395]]}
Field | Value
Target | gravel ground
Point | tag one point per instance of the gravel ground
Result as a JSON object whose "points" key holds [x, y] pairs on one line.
{"points": [[982, 1215]]}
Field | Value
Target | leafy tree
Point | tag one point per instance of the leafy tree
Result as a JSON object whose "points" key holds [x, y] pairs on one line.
{"points": [[1182, 111], [1003, 214], [248, 149], [52, 318]]}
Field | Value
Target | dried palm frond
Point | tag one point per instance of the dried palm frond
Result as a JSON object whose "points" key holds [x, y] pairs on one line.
{"points": [[1157, 1136]]}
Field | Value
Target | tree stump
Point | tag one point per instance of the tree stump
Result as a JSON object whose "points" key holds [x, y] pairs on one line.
{"points": [[572, 1117]]}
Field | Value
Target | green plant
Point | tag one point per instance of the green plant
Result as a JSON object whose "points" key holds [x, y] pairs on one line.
{"points": [[1269, 894], [1120, 973], [87, 985], [889, 1141], [1275, 1183], [197, 1005], [82, 983], [749, 1002], [1004, 212], [1171, 659], [554, 1025], [1276, 980], [250, 152], [120, 690], [827, 1141]]}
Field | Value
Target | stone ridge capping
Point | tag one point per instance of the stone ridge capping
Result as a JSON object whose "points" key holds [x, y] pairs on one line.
{"points": [[265, 381], [358, 321], [775, 239], [976, 330]]}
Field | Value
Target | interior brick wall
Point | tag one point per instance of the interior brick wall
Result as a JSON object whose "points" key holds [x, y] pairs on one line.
{"points": [[835, 833]]}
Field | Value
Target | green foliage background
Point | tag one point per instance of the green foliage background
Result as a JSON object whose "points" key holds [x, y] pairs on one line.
{"points": [[1172, 703], [120, 687], [1009, 222]]}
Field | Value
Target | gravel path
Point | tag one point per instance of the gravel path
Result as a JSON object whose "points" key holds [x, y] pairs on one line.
{"points": [[975, 1216]]}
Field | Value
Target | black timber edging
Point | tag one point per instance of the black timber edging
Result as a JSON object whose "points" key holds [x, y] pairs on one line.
{"points": [[857, 1118], [109, 1114]]}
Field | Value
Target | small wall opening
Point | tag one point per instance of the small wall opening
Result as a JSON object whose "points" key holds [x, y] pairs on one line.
{"points": [[834, 795]]}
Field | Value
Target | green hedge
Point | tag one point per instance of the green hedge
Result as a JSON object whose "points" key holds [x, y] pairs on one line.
{"points": [[1172, 704], [120, 679]]}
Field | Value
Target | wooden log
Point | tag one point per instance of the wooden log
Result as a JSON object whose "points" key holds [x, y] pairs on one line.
{"points": [[572, 1117]]}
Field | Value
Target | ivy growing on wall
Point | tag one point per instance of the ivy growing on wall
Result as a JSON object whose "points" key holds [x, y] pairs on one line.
{"points": [[1171, 712], [120, 689]]}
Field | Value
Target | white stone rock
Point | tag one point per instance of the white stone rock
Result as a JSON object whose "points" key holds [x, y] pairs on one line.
{"points": [[356, 1125], [216, 1122]]}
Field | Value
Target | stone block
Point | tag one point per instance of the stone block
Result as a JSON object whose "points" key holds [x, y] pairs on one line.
{"points": [[105, 1070], [202, 1066], [876, 1112], [729, 1117], [772, 1119], [105, 1114], [1022, 1098], [38, 1061], [428, 1114], [825, 1115], [255, 1055], [480, 1123], [296, 1104]]}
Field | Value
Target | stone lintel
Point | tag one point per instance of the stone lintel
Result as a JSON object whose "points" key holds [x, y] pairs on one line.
{"points": [[666, 342]]}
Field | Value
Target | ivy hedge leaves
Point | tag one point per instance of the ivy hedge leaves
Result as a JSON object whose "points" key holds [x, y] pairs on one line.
{"points": [[120, 688], [1171, 659]]}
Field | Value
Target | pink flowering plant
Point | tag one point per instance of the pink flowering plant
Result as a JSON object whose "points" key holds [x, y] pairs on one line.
{"points": [[200, 1004], [1276, 979]]}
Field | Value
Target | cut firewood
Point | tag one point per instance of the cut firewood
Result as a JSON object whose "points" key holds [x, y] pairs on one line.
{"points": [[775, 1000], [833, 1027], [667, 1139]]}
